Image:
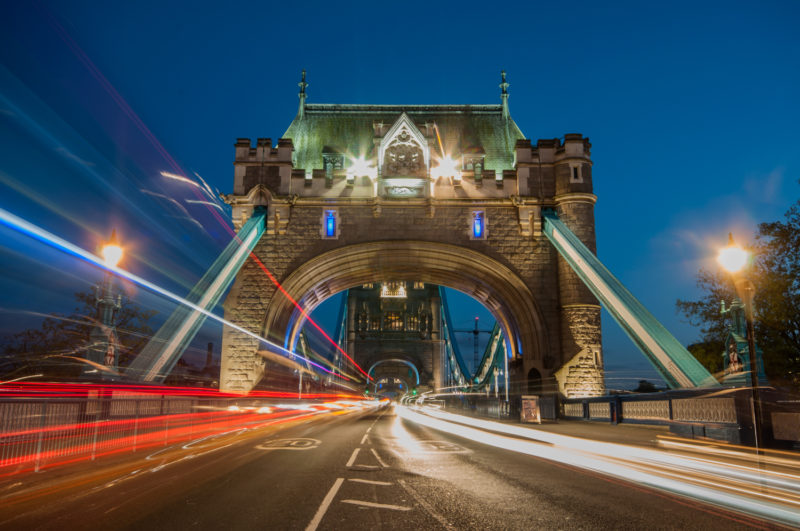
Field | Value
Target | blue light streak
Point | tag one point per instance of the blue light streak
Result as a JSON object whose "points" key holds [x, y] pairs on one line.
{"points": [[39, 234]]}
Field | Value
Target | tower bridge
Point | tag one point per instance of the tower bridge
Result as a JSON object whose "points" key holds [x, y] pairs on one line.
{"points": [[415, 197], [448, 195]]}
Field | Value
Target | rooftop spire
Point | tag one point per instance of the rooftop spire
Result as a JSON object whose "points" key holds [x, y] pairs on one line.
{"points": [[504, 93], [302, 95]]}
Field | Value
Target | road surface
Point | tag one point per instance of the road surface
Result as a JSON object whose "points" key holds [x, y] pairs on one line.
{"points": [[354, 470]]}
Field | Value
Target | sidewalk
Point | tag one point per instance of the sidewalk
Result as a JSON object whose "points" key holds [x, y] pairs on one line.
{"points": [[646, 435], [638, 434]]}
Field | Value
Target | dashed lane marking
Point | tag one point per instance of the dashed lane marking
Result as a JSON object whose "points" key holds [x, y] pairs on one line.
{"points": [[380, 461], [364, 438], [378, 505], [325, 504], [352, 458], [370, 482]]}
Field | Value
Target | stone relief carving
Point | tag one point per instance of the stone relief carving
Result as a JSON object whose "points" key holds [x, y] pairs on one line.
{"points": [[402, 191], [404, 156]]}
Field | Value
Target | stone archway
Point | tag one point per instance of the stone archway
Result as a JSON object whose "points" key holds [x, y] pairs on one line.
{"points": [[534, 382], [491, 283], [396, 361]]}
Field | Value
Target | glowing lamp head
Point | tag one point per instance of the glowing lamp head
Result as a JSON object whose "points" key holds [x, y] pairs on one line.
{"points": [[447, 168], [733, 258], [112, 252], [360, 168]]}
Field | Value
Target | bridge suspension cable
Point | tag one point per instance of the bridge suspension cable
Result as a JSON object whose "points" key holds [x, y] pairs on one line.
{"points": [[673, 362], [165, 348]]}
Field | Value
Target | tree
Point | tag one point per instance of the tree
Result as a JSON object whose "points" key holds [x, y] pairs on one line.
{"points": [[776, 276], [52, 348], [645, 387], [709, 354]]}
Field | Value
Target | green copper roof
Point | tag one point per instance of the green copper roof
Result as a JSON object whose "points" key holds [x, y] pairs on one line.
{"points": [[349, 129]]}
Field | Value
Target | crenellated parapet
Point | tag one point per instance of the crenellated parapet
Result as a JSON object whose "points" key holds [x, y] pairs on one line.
{"points": [[554, 167], [263, 164]]}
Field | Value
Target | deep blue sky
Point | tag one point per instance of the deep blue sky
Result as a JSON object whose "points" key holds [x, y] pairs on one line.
{"points": [[691, 109]]}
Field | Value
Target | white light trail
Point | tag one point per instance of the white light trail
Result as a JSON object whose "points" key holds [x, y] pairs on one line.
{"points": [[208, 203], [767, 495], [37, 233], [208, 296]]}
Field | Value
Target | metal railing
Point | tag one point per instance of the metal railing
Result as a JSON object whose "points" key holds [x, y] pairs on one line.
{"points": [[40, 432]]}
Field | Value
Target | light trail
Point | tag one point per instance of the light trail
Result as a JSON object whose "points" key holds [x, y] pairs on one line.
{"points": [[439, 138], [37, 233], [93, 390], [35, 449], [199, 190], [771, 496], [199, 202], [305, 314]]}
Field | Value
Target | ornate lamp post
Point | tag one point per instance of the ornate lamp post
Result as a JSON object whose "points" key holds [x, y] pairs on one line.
{"points": [[734, 259], [103, 338]]}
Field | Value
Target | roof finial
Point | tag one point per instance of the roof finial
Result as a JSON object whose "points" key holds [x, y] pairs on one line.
{"points": [[302, 95], [504, 93]]}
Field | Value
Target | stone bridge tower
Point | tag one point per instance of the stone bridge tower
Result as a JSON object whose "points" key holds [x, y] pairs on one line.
{"points": [[393, 330], [448, 195]]}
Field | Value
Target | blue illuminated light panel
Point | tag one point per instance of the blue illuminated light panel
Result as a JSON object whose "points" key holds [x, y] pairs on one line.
{"points": [[330, 223], [477, 225]]}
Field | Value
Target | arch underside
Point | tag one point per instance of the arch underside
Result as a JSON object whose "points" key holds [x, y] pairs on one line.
{"points": [[490, 282]]}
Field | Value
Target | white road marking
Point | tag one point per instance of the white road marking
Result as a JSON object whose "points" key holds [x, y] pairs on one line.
{"points": [[439, 518], [365, 468], [290, 444], [380, 461], [377, 505], [352, 458], [370, 482], [364, 439], [325, 504], [369, 429]]}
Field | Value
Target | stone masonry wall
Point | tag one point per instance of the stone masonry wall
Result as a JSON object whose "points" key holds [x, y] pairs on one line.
{"points": [[533, 259], [582, 373]]}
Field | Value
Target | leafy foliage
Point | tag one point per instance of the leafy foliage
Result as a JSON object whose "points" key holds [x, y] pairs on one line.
{"points": [[48, 349], [709, 354], [645, 387], [775, 273]]}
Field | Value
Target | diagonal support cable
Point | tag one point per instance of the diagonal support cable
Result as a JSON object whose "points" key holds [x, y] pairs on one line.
{"points": [[165, 348], [673, 362]]}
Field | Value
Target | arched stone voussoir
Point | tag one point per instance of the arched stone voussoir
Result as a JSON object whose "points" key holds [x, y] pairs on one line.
{"points": [[492, 283]]}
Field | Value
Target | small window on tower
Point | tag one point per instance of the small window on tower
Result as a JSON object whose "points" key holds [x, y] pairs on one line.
{"points": [[576, 173]]}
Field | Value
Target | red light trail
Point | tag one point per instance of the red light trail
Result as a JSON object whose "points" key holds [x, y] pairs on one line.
{"points": [[129, 112]]}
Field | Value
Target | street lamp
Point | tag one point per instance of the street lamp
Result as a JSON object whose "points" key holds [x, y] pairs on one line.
{"points": [[103, 337], [112, 252], [733, 259]]}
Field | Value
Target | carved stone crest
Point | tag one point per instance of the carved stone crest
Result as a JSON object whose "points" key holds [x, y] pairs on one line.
{"points": [[404, 156]]}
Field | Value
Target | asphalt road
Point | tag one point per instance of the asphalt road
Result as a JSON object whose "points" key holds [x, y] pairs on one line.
{"points": [[368, 470]]}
